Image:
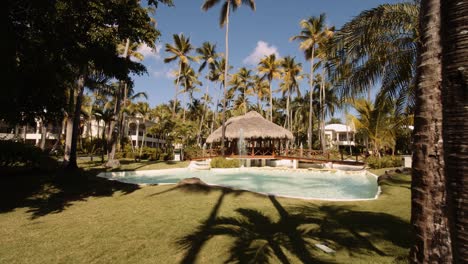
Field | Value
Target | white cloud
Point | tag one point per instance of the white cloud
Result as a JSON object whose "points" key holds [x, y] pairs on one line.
{"points": [[165, 73], [150, 53], [261, 50]]}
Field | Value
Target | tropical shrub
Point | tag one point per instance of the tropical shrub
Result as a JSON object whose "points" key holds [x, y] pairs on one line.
{"points": [[224, 163], [192, 152], [20, 154], [384, 162]]}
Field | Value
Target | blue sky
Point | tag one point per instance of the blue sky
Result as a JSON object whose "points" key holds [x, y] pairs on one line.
{"points": [[252, 34]]}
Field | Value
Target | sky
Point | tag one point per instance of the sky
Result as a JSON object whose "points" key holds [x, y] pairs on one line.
{"points": [[252, 35]]}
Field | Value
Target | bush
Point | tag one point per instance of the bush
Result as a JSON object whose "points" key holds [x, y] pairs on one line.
{"points": [[224, 163], [384, 162], [20, 154], [192, 152]]}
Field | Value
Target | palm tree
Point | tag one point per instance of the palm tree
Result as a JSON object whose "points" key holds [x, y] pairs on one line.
{"points": [[189, 80], [261, 89], [379, 46], [224, 20], [438, 203], [291, 75], [269, 66], [312, 33], [428, 186], [144, 110], [376, 123], [207, 54], [242, 82], [454, 17], [179, 51]]}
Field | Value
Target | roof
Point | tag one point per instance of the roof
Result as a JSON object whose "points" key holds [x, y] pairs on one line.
{"points": [[339, 128], [253, 126]]}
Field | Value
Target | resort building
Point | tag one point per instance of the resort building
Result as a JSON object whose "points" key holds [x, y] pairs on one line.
{"points": [[339, 135], [134, 129]]}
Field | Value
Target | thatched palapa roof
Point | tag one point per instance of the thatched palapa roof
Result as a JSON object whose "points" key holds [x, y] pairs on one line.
{"points": [[253, 126]]}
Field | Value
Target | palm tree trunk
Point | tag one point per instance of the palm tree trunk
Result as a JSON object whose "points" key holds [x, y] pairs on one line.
{"points": [[259, 107], [454, 17], [184, 105], [311, 99], [271, 101], [245, 106], [113, 135], [287, 110], [72, 164], [43, 135], [143, 140], [428, 187], [137, 134], [223, 129], [203, 116], [176, 91], [322, 111], [122, 117]]}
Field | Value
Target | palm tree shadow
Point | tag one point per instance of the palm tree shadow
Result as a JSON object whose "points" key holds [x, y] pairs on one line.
{"points": [[259, 238], [46, 194], [195, 241]]}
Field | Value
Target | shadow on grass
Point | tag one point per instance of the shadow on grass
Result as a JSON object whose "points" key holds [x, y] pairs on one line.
{"points": [[53, 192], [259, 238]]}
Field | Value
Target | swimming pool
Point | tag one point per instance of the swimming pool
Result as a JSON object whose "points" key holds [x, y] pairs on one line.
{"points": [[306, 184]]}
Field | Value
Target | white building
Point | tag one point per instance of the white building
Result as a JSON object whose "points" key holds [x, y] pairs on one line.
{"points": [[134, 128], [339, 135]]}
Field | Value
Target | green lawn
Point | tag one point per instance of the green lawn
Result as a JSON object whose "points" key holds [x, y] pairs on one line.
{"points": [[64, 218]]}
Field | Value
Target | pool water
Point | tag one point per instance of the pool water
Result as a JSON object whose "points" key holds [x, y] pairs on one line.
{"points": [[328, 185]]}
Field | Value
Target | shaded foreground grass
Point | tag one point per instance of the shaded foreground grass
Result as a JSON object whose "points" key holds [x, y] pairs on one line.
{"points": [[82, 219]]}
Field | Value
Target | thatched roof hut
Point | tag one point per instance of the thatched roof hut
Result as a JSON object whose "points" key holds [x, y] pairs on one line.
{"points": [[253, 126]]}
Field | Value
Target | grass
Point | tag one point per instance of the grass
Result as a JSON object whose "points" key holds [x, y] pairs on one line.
{"points": [[79, 218]]}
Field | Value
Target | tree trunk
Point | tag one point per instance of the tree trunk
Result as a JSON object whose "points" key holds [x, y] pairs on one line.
{"points": [[184, 104], [428, 190], [454, 16], [176, 91], [310, 130], [287, 110], [122, 119], [68, 140], [271, 101], [223, 129], [137, 135], [43, 136], [142, 141], [205, 105], [113, 135], [72, 163]]}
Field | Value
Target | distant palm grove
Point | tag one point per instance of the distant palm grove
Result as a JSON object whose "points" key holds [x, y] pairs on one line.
{"points": [[70, 66]]}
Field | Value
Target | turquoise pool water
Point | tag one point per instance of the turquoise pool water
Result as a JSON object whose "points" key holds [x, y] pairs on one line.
{"points": [[329, 185]]}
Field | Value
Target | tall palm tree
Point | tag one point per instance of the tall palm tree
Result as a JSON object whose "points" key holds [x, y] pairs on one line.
{"points": [[261, 89], [312, 33], [189, 80], [428, 186], [224, 20], [291, 75], [454, 17], [179, 51], [269, 66], [242, 82], [207, 55]]}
